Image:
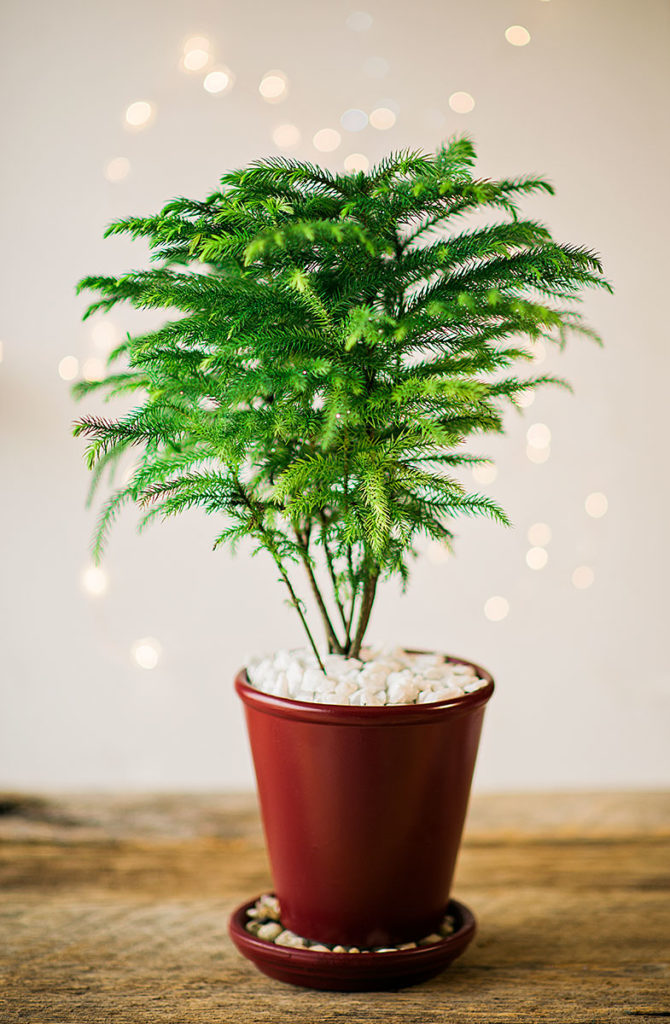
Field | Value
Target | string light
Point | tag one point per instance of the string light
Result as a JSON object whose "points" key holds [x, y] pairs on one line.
{"points": [[138, 114], [356, 162], [539, 534], [68, 368], [382, 118], [117, 169], [517, 35], [286, 135], [326, 140], [376, 67], [485, 474], [539, 352], [217, 81], [354, 120], [146, 652], [359, 21], [461, 102], [536, 558], [525, 399], [583, 577], [273, 86], [596, 505], [496, 608], [94, 580]]}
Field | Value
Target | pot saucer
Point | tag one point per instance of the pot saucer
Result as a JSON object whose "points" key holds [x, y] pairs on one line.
{"points": [[353, 972]]}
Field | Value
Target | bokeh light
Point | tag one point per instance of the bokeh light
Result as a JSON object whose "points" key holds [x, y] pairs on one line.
{"points": [[104, 335], [596, 504], [496, 608], [583, 577], [517, 35], [146, 652], [94, 580], [326, 140], [356, 162], [525, 399], [538, 435], [359, 21], [196, 59], [117, 168], [536, 558], [382, 118], [461, 102], [286, 136], [138, 114], [218, 80], [485, 474], [539, 534], [354, 120], [273, 86], [537, 455], [68, 368], [93, 368]]}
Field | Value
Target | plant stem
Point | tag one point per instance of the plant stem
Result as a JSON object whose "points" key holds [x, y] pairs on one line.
{"points": [[364, 614], [333, 577], [333, 642]]}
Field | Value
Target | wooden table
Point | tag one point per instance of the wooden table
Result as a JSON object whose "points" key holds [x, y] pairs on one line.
{"points": [[114, 909]]}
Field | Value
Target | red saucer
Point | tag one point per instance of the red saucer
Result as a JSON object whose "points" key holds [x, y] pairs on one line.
{"points": [[353, 972]]}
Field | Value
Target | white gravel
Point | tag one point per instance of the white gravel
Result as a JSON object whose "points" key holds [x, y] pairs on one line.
{"points": [[382, 676], [263, 921]]}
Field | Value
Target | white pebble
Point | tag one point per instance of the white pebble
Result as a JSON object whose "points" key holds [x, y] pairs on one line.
{"points": [[429, 940], [270, 930], [288, 938]]}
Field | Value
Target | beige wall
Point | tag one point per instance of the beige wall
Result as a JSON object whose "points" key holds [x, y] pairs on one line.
{"points": [[582, 675]]}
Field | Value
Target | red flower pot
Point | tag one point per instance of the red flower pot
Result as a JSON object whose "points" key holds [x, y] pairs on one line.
{"points": [[363, 810]]}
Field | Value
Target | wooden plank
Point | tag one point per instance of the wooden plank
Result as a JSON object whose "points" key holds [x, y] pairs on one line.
{"points": [[574, 926]]}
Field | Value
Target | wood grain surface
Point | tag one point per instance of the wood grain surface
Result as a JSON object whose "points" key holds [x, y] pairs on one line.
{"points": [[114, 909]]}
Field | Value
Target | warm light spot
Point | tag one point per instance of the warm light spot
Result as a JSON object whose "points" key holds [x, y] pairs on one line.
{"points": [[538, 435], [596, 504], [356, 162], [539, 534], [273, 86], [539, 352], [354, 120], [359, 21], [117, 169], [68, 368], [195, 60], [382, 118], [537, 455], [94, 580], [286, 135], [326, 140], [517, 35], [461, 102], [218, 81], [146, 652], [376, 67], [496, 608], [104, 335], [138, 114], [525, 399], [485, 474], [437, 552], [197, 43], [583, 577], [93, 368], [536, 558]]}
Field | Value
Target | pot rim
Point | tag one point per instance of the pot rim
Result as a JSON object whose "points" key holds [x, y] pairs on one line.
{"points": [[346, 714]]}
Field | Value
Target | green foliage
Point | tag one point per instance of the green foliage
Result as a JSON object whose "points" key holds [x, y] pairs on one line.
{"points": [[338, 340]]}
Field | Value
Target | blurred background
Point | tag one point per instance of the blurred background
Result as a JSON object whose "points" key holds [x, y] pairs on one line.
{"points": [[121, 677]]}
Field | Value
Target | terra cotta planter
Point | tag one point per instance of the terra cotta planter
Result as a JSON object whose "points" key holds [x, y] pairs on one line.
{"points": [[363, 810]]}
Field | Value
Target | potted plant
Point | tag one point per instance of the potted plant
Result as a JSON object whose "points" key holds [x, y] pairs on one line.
{"points": [[338, 341]]}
